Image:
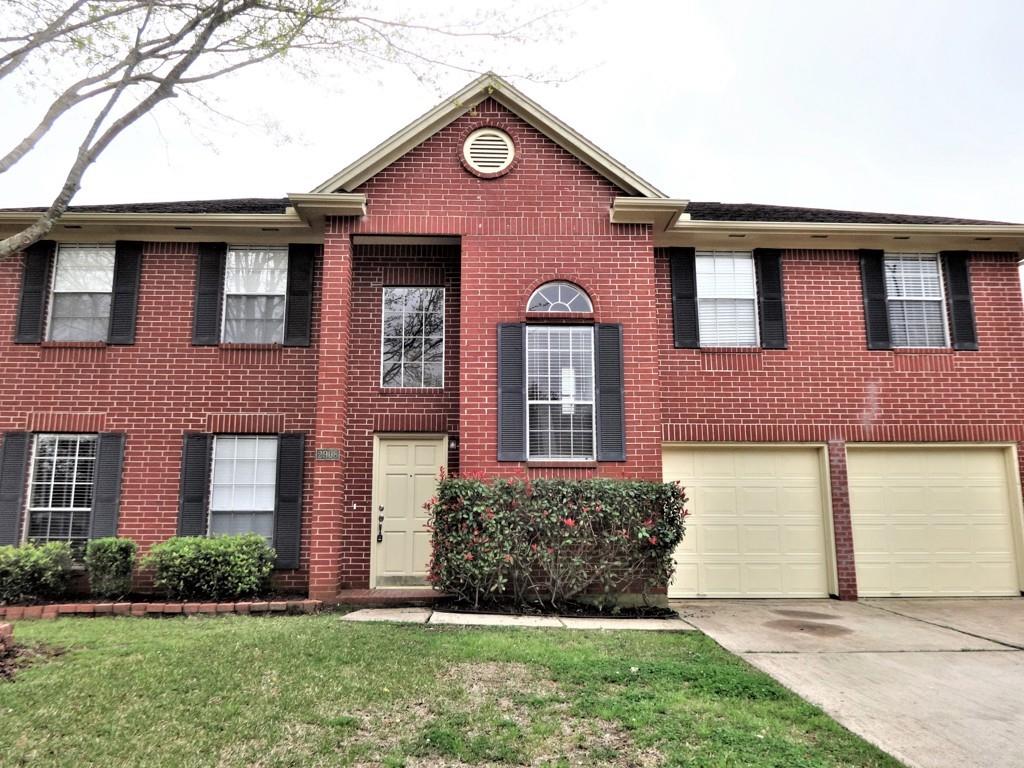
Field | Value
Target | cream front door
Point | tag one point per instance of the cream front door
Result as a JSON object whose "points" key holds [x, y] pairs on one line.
{"points": [[405, 477]]}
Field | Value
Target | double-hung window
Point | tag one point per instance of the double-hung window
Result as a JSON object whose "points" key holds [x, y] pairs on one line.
{"points": [[243, 489], [61, 488], [82, 285], [916, 300], [726, 299], [255, 287], [412, 340], [560, 392]]}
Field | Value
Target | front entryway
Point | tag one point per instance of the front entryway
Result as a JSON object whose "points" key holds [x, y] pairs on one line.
{"points": [[405, 474]]}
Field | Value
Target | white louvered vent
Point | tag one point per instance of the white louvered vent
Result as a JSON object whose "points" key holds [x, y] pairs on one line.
{"points": [[488, 150]]}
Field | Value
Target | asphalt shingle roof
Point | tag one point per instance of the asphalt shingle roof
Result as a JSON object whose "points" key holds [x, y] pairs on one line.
{"points": [[791, 214], [699, 211]]}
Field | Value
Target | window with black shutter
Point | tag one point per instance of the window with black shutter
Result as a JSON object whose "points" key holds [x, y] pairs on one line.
{"points": [[238, 484], [727, 298]]}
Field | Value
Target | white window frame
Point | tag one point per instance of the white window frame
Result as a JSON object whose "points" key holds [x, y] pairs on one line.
{"points": [[225, 292], [29, 509], [53, 286], [592, 402], [213, 465], [943, 309], [560, 283], [755, 298], [444, 334]]}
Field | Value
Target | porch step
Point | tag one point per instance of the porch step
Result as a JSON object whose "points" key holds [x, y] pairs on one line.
{"points": [[387, 598]]}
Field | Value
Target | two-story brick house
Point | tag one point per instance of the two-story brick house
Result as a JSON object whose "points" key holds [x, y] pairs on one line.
{"points": [[489, 292]]}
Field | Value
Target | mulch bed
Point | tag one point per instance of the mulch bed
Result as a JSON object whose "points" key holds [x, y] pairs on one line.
{"points": [[572, 610]]}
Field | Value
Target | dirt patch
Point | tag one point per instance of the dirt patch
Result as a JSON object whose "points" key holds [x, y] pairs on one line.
{"points": [[812, 615], [472, 694], [815, 628], [20, 656]]}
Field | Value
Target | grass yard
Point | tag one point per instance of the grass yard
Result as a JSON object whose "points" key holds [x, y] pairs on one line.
{"points": [[318, 691]]}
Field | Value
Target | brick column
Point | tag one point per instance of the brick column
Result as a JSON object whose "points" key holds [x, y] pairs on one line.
{"points": [[842, 525], [331, 413]]}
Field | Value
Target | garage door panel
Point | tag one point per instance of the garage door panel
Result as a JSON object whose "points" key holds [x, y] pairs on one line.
{"points": [[798, 540], [717, 500], [756, 525], [761, 540], [720, 540], [932, 521]]}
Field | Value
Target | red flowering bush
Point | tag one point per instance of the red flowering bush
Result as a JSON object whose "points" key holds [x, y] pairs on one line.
{"points": [[553, 542]]}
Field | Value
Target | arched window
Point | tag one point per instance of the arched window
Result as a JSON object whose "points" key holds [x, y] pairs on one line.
{"points": [[559, 296]]}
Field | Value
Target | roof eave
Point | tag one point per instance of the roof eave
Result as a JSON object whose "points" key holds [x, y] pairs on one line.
{"points": [[980, 237], [301, 221]]}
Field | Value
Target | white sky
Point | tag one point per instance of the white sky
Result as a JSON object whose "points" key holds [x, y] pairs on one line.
{"points": [[897, 106]]}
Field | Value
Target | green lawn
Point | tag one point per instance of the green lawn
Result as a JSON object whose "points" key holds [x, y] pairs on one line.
{"points": [[318, 691]]}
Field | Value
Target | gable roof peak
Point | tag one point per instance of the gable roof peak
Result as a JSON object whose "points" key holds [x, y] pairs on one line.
{"points": [[487, 85]]}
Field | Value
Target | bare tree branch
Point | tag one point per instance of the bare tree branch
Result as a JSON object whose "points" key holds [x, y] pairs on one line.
{"points": [[126, 57]]}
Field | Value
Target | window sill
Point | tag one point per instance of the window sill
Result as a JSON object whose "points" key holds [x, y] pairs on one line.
{"points": [[240, 345], [732, 350], [73, 345], [923, 350], [542, 464], [409, 390]]}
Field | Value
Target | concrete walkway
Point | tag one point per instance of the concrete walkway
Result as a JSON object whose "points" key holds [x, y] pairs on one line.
{"points": [[935, 683], [443, 618]]}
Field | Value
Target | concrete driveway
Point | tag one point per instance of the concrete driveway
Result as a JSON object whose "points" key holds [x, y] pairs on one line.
{"points": [[935, 683]]}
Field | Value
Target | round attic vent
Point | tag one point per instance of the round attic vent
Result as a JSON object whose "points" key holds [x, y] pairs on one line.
{"points": [[488, 151]]}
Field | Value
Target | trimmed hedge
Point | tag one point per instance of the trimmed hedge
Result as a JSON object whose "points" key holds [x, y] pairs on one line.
{"points": [[34, 572], [553, 542], [110, 562], [218, 568]]}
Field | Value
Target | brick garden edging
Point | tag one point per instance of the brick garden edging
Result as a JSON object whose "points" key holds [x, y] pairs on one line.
{"points": [[14, 612]]}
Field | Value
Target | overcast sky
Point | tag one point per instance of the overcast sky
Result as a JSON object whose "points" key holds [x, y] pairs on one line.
{"points": [[896, 106]]}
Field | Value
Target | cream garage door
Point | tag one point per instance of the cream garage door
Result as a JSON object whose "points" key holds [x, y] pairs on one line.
{"points": [[931, 521], [756, 526]]}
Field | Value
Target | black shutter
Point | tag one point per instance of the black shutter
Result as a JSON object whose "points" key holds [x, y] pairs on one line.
{"points": [[106, 492], [956, 265], [13, 466], [288, 510], [35, 288], [209, 290], [125, 297], [876, 308], [683, 266], [299, 307], [771, 307], [611, 419], [195, 481], [511, 392]]}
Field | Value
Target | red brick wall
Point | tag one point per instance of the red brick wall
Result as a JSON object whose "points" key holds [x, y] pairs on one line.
{"points": [[547, 219], [828, 387], [154, 390]]}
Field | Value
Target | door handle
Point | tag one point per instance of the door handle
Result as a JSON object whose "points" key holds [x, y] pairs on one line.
{"points": [[380, 524]]}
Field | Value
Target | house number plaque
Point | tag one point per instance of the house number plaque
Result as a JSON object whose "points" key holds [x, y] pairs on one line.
{"points": [[328, 454]]}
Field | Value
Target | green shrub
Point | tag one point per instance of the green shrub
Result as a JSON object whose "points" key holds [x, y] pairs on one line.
{"points": [[34, 572], [218, 568], [110, 562], [552, 542]]}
